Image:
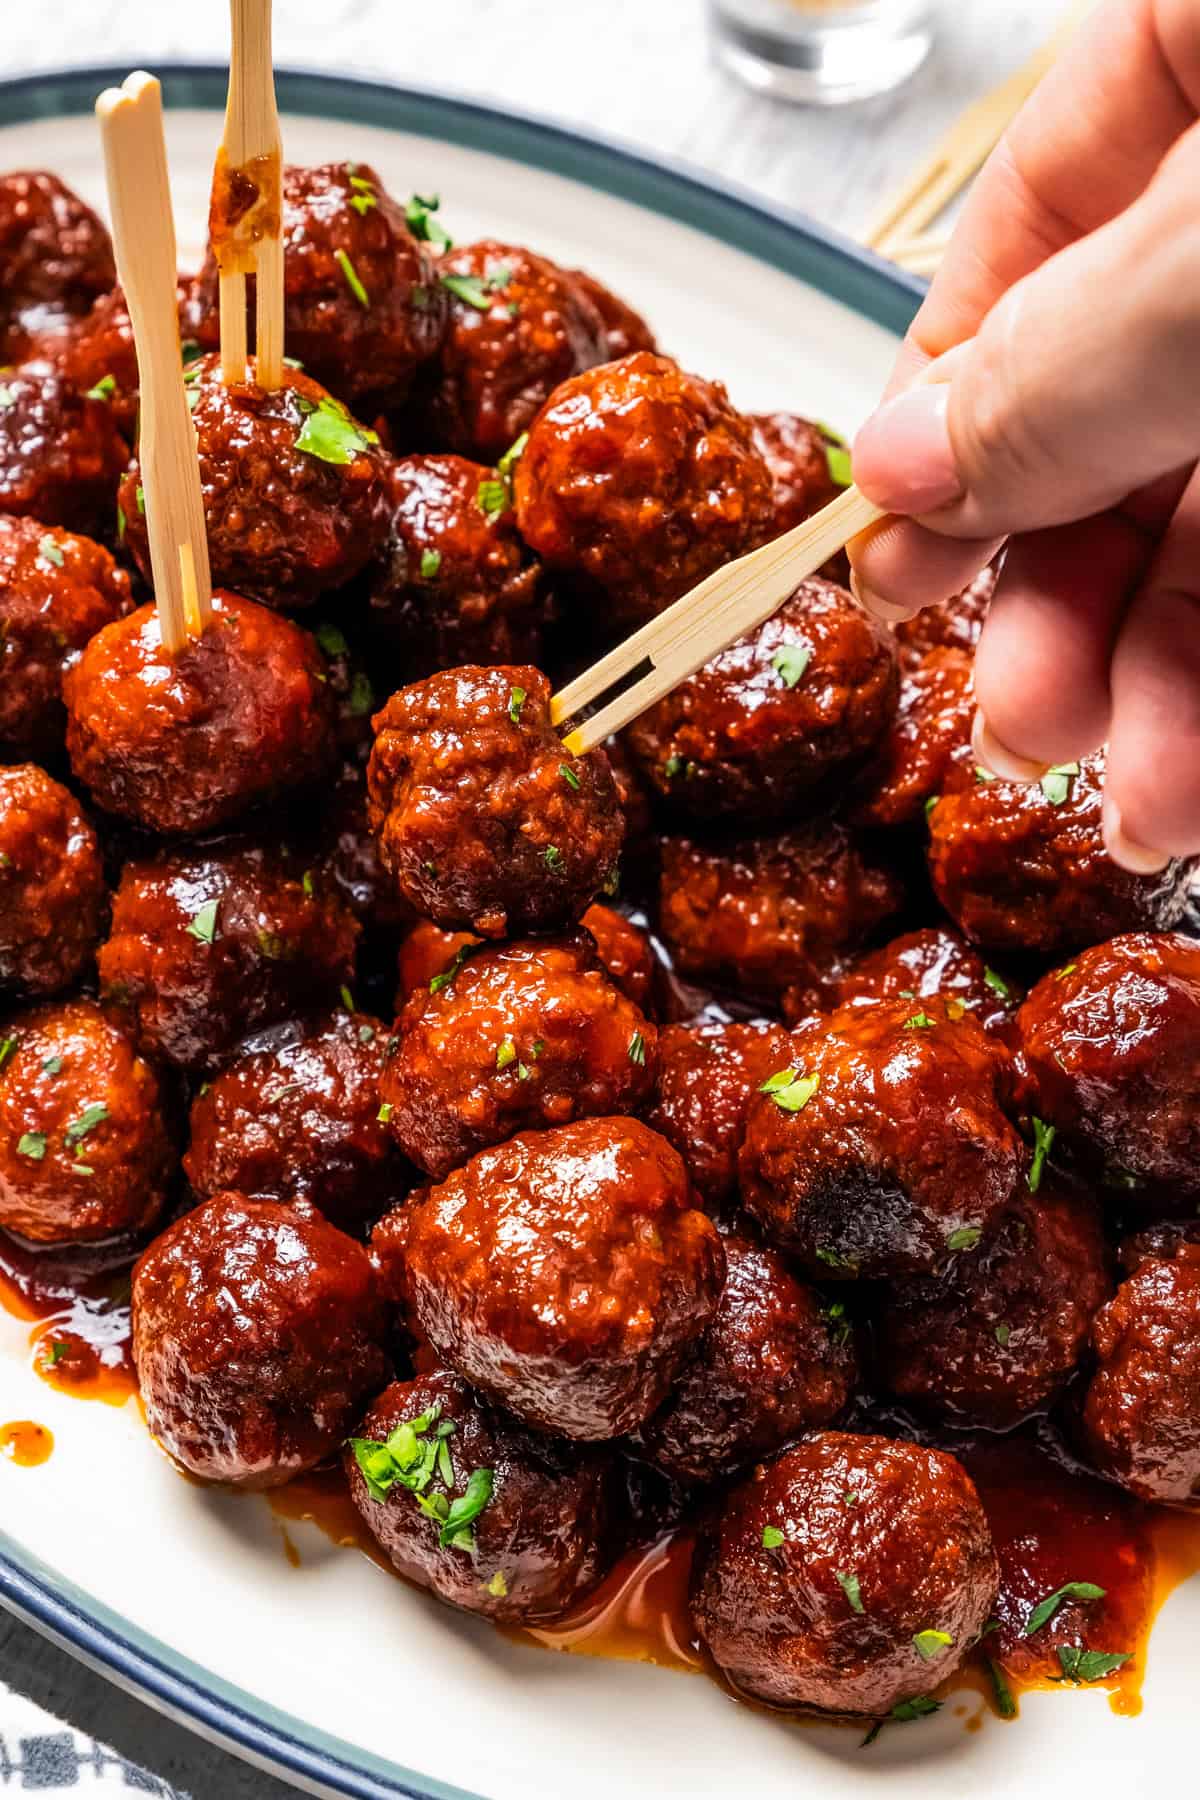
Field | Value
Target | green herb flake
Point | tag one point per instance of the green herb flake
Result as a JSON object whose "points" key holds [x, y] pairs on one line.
{"points": [[306, 882], [772, 1537], [492, 498], [361, 698], [833, 1259], [1090, 1665], [431, 562], [1043, 1142], [7, 1047], [919, 1022], [104, 389], [385, 1112], [50, 551], [790, 1090], [332, 640], [931, 1643], [673, 767], [506, 1054], [56, 1352], [838, 459], [122, 523], [139, 494], [849, 1586], [839, 1324], [418, 215], [983, 776], [931, 803], [512, 457], [569, 776], [1056, 782], [352, 278], [89, 1118], [965, 1238], [1061, 974], [997, 984], [366, 1034], [790, 661], [1006, 1706], [203, 926], [471, 289], [497, 1587], [637, 1049], [1003, 1333], [347, 999], [330, 434], [52, 1065], [450, 971], [849, 1498], [1045, 1609], [362, 203], [552, 856], [516, 701], [32, 1144], [466, 1509]]}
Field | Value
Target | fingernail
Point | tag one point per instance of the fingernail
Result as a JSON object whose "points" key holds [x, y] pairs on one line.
{"points": [[998, 759], [1125, 851], [903, 457], [886, 611]]}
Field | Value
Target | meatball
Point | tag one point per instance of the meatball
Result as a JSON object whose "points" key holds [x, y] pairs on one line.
{"points": [[293, 488], [544, 1533], [1110, 1055], [483, 819], [847, 1576], [997, 1335], [213, 942], [455, 583], [780, 716], [707, 1075], [56, 592], [186, 742], [257, 1338], [624, 950], [624, 330], [52, 892], [880, 1146], [510, 1037], [299, 1119], [96, 354], [86, 1152], [641, 480], [60, 453], [1022, 866], [921, 965], [774, 1363], [929, 736], [954, 624], [565, 1273], [796, 451], [767, 914], [1141, 1415], [345, 852], [55, 255]]}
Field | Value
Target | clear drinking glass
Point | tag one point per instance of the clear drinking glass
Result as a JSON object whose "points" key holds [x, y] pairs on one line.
{"points": [[822, 51]]}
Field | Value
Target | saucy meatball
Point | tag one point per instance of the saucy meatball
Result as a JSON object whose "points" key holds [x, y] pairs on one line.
{"points": [[544, 1534], [257, 1338], [781, 715], [56, 592], [1022, 865], [52, 892], [921, 965], [1110, 1053], [213, 942], [929, 736], [299, 1119], [624, 949], [345, 852], [55, 255], [86, 1152], [182, 743], [879, 1148], [954, 624], [565, 1273], [60, 453], [293, 487], [796, 451], [624, 330], [96, 354], [509, 1037], [483, 819], [641, 480], [817, 1576], [772, 1365], [707, 1075]]}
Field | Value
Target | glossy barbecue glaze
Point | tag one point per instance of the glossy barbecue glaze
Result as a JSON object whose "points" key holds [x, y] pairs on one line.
{"points": [[707, 1077], [60, 453], [52, 891]]}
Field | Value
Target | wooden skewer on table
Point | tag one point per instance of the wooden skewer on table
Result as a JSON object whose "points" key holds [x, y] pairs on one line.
{"points": [[245, 218], [139, 197]]}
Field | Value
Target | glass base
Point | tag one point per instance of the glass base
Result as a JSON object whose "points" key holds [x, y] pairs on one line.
{"points": [[824, 68]]}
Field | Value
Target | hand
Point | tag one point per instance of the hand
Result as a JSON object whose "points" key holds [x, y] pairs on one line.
{"points": [[1071, 427]]}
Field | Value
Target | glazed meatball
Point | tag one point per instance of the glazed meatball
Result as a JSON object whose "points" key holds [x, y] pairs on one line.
{"points": [[96, 354], [813, 1582], [796, 451], [776, 719], [211, 943], [707, 1075], [1110, 1052], [641, 480], [771, 913], [510, 1037], [921, 965], [293, 488], [545, 1533], [345, 853], [880, 1147], [996, 1336], [929, 736], [52, 892], [1141, 1416], [257, 1338], [1022, 865], [86, 1152], [299, 1119], [565, 1273], [954, 624], [455, 584], [624, 950], [772, 1365], [55, 255], [483, 819], [624, 330], [183, 743], [60, 453], [56, 592]]}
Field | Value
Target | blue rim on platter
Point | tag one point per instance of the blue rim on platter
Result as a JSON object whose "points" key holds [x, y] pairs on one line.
{"points": [[196, 1697]]}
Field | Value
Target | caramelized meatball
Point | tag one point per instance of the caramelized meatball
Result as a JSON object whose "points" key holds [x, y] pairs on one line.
{"points": [[624, 330], [299, 1119], [96, 354], [642, 480], [624, 950], [929, 736], [880, 1146], [565, 1273], [772, 1365], [211, 943], [293, 488], [770, 913], [55, 255], [796, 451], [60, 453], [707, 1075], [455, 584], [483, 819], [510, 1037], [257, 1337], [996, 1336], [52, 892], [56, 592], [545, 1534], [1110, 1053], [1022, 865], [954, 624], [182, 743], [781, 715], [813, 1582], [85, 1149], [921, 965]]}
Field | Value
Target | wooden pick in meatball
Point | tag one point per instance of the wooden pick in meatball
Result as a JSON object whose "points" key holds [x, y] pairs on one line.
{"points": [[60, 453], [52, 889]]}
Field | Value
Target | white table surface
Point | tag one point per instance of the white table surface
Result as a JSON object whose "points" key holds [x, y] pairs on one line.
{"points": [[635, 69]]}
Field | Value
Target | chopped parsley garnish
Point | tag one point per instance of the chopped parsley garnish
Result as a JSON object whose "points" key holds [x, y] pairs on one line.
{"points": [[833, 1259], [329, 432], [673, 767], [139, 494], [772, 1537], [352, 278], [1056, 782], [1045, 1609], [982, 775], [450, 971], [361, 697], [790, 1090], [204, 922], [790, 661], [920, 1707], [919, 1022], [553, 856], [32, 1144], [418, 216], [56, 1350], [306, 882], [471, 289], [1090, 1665], [347, 999], [1006, 1706], [122, 523], [89, 1118], [506, 1054], [364, 196], [849, 1498], [48, 549], [1003, 1333], [465, 1510], [849, 1586], [332, 640], [516, 701], [1043, 1142], [931, 803], [997, 984], [838, 458], [637, 1049], [492, 498], [431, 562], [384, 1113], [52, 1065], [511, 458], [965, 1238], [931, 1643], [839, 1324], [569, 776], [7, 1046], [497, 1587], [1061, 974], [104, 388]]}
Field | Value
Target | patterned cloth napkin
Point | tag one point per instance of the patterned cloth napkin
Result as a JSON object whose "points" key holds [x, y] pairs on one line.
{"points": [[39, 1754]]}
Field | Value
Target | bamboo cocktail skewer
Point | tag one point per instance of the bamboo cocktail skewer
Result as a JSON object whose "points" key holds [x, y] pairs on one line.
{"points": [[922, 255], [245, 222], [135, 160]]}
